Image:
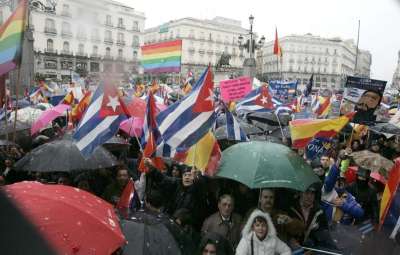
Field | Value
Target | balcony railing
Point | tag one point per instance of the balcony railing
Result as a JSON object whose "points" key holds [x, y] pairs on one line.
{"points": [[50, 30], [108, 57], [121, 26], [66, 34], [108, 41], [81, 37], [66, 52], [95, 55], [51, 51], [81, 54], [95, 39], [120, 43], [120, 58]]}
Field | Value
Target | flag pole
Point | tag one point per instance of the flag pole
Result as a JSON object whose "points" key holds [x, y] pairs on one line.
{"points": [[358, 40], [280, 126]]}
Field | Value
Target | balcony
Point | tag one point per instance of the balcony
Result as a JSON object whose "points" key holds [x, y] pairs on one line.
{"points": [[50, 31], [120, 58], [108, 57], [66, 14], [95, 56], [121, 26], [108, 41], [95, 39], [66, 52], [66, 34], [50, 51], [81, 37], [135, 29], [81, 55], [135, 45], [108, 24], [121, 43]]}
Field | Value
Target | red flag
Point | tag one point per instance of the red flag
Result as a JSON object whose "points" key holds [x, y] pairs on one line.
{"points": [[126, 198], [205, 99], [389, 192], [265, 99], [112, 103], [277, 47], [151, 145]]}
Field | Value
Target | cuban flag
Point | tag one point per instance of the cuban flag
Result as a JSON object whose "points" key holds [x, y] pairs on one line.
{"points": [[255, 102], [185, 122], [233, 130], [101, 120]]}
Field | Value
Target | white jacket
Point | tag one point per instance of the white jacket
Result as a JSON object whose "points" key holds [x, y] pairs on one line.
{"points": [[271, 245]]}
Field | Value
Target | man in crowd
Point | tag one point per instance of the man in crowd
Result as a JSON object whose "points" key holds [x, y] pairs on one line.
{"points": [[224, 222], [114, 190]]}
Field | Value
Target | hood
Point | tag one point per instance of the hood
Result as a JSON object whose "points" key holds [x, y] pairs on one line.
{"points": [[247, 228]]}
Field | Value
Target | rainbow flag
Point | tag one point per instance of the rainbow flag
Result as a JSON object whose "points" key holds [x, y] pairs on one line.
{"points": [[303, 130], [11, 39], [162, 57]]}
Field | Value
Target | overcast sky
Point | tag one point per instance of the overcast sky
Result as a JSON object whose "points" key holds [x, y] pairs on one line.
{"points": [[380, 21]]}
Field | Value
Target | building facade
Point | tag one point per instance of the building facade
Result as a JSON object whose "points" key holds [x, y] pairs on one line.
{"points": [[329, 59], [203, 42], [396, 75], [88, 37]]}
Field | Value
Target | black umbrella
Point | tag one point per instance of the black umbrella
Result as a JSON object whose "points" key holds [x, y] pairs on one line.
{"points": [[149, 234], [116, 143], [387, 128], [23, 133], [64, 156], [7, 143], [269, 118]]}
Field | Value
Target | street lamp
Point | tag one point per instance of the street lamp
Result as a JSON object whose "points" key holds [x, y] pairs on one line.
{"points": [[249, 64]]}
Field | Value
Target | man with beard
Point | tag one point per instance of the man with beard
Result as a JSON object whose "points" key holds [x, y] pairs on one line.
{"points": [[365, 196], [366, 107]]}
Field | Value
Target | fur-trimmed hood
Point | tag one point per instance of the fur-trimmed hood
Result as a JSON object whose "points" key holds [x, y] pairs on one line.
{"points": [[247, 228]]}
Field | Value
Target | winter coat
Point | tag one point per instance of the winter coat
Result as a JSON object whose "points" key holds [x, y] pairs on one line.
{"points": [[251, 245], [350, 209], [229, 230]]}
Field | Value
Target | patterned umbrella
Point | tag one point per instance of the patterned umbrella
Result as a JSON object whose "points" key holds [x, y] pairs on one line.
{"points": [[372, 161]]}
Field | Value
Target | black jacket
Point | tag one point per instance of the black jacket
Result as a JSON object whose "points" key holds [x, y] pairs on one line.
{"points": [[367, 198]]}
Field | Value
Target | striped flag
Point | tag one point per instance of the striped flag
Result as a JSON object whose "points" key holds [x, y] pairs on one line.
{"points": [[185, 122], [11, 33], [99, 123], [390, 191], [249, 103], [233, 130], [321, 106], [303, 130]]}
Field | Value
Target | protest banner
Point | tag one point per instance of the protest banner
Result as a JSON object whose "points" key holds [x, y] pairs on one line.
{"points": [[235, 89], [317, 147], [285, 91], [362, 95]]}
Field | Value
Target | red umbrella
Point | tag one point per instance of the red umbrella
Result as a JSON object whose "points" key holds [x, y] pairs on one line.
{"points": [[72, 220]]}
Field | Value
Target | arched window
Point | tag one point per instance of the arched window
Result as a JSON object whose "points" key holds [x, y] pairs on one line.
{"points": [[134, 54], [95, 50], [66, 47], [81, 48], [50, 45], [135, 26], [135, 40], [49, 23], [120, 53], [108, 52]]}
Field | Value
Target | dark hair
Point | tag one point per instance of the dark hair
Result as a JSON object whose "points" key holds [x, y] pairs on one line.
{"points": [[222, 245], [223, 196], [155, 198], [260, 219]]}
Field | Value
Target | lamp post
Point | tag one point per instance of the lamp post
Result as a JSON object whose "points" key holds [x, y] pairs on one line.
{"points": [[249, 64]]}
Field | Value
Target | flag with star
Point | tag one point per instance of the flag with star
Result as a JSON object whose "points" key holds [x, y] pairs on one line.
{"points": [[100, 121], [265, 99]]}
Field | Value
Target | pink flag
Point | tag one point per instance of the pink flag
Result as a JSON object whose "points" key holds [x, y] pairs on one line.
{"points": [[132, 126], [48, 116]]}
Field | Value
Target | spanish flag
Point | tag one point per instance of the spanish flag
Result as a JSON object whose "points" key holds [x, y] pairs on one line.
{"points": [[389, 192], [324, 106], [205, 155], [80, 108], [303, 130], [69, 98]]}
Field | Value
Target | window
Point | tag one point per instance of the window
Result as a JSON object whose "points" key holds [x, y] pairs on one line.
{"points": [[120, 23], [81, 33], [108, 20], [134, 54], [120, 37], [120, 53], [334, 52], [50, 46], [108, 36], [108, 52], [95, 35], [94, 67], [135, 40], [108, 67], [66, 29], [65, 10], [66, 47], [81, 48], [95, 50], [135, 26], [50, 64], [50, 25]]}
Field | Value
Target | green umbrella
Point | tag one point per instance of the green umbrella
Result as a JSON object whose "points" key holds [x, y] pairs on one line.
{"points": [[266, 165]]}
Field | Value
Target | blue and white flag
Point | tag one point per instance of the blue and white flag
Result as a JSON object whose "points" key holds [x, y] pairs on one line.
{"points": [[94, 130], [233, 130], [248, 103], [180, 125]]}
